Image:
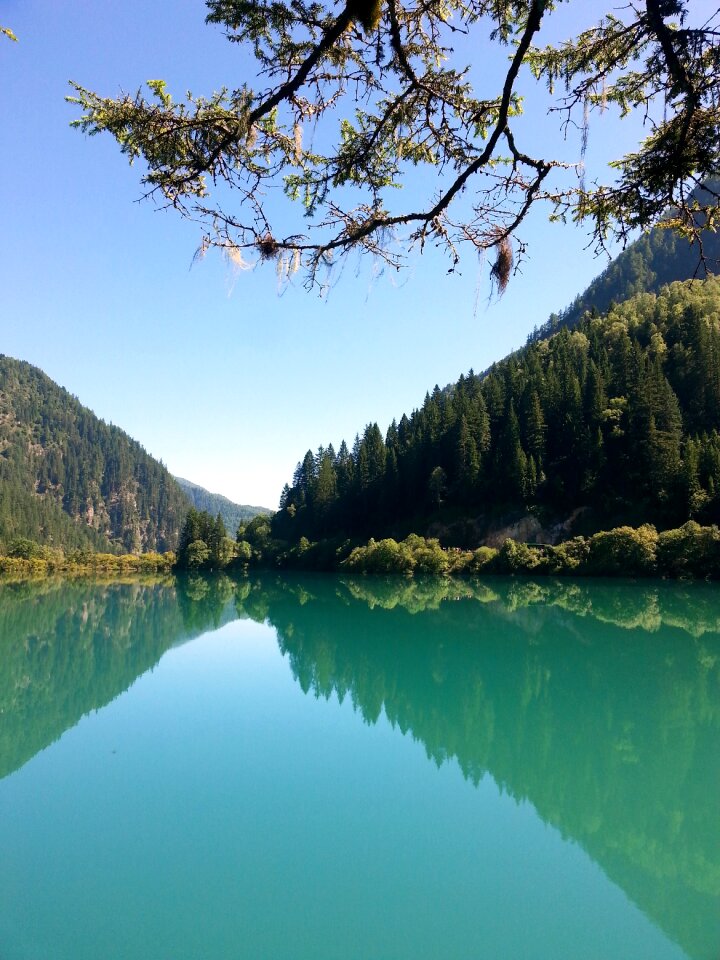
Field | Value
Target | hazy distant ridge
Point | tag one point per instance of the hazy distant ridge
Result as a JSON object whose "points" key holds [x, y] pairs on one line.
{"points": [[233, 514]]}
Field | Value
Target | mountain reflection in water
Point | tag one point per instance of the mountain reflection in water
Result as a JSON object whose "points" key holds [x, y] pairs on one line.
{"points": [[599, 703]]}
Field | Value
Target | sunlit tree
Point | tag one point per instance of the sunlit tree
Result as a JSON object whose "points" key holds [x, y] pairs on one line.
{"points": [[349, 102]]}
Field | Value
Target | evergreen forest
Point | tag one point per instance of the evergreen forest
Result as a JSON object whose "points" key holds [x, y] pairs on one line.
{"points": [[68, 478], [654, 260], [614, 420]]}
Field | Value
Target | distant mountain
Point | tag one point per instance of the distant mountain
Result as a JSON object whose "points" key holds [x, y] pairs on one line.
{"points": [[68, 478], [233, 514]]}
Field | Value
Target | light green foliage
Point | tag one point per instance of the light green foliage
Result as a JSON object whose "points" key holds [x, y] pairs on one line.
{"points": [[690, 551], [384, 556], [390, 79], [481, 558], [198, 553], [243, 551], [30, 559], [516, 557], [568, 556], [427, 555], [623, 550], [226, 551], [414, 555]]}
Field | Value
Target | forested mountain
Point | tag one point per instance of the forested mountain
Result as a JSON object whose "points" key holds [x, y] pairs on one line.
{"points": [[232, 514], [651, 262], [619, 416], [68, 478]]}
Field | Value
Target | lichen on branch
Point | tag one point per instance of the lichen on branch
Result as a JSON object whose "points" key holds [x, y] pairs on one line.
{"points": [[351, 103]]}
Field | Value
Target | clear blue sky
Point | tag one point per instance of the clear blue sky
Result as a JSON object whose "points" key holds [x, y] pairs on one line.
{"points": [[222, 378]]}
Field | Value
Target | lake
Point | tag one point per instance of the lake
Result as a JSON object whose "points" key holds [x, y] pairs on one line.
{"points": [[322, 767]]}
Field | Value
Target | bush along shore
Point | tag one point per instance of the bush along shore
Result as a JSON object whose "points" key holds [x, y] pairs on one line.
{"points": [[25, 558], [691, 551]]}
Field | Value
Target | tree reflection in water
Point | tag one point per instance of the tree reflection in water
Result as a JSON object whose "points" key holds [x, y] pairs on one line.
{"points": [[597, 702]]}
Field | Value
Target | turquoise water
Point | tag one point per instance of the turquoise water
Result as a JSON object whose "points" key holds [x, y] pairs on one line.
{"points": [[326, 768]]}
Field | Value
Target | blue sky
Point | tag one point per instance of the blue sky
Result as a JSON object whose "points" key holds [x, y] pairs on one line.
{"points": [[219, 375]]}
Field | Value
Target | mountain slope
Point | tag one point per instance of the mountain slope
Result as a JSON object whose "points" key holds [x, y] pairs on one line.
{"points": [[657, 258], [67, 477], [619, 418], [233, 514]]}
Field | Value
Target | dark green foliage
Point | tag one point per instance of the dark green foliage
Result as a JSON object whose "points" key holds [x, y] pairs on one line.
{"points": [[620, 416], [67, 478], [25, 514], [233, 514]]}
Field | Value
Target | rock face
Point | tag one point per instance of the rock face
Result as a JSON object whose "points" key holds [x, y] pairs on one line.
{"points": [[526, 528], [58, 461]]}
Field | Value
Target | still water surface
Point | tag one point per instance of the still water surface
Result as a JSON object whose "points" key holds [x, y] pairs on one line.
{"points": [[325, 768]]}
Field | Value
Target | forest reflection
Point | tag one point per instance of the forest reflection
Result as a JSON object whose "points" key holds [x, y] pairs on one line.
{"points": [[599, 703]]}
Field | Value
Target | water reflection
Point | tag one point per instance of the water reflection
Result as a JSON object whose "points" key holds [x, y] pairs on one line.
{"points": [[597, 702], [70, 647], [600, 704]]}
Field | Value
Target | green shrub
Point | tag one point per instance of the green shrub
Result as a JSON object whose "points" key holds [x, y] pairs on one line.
{"points": [[481, 558], [568, 556], [516, 557], [624, 550], [690, 551], [384, 556], [20, 548], [427, 555], [459, 561]]}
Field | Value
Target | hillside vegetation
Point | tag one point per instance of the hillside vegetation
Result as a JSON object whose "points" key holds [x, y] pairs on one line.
{"points": [[654, 260], [69, 478], [615, 421]]}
